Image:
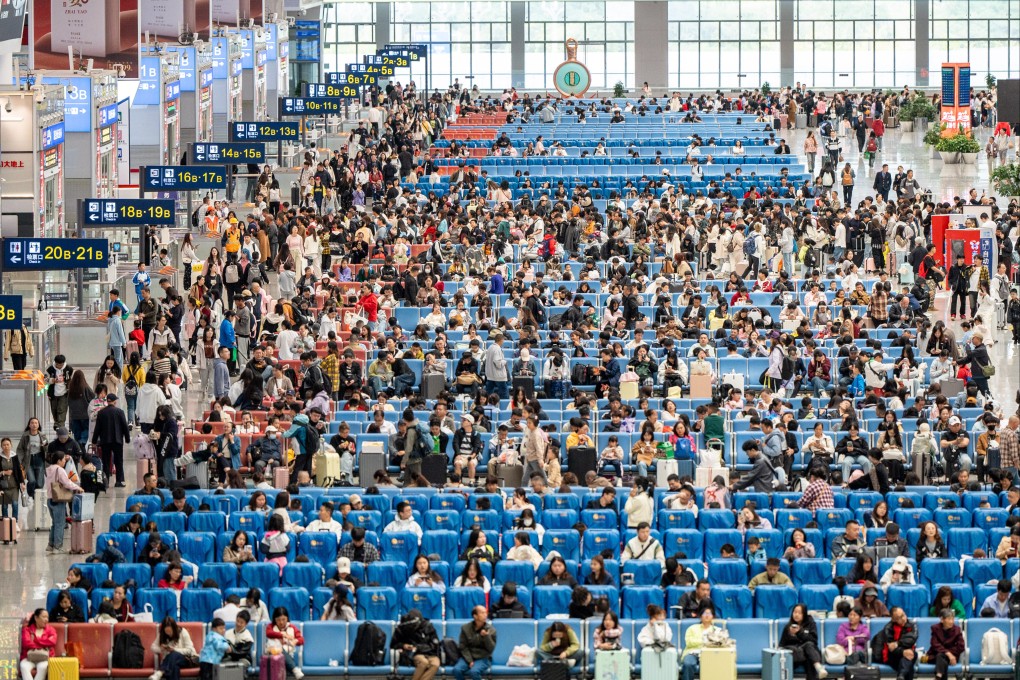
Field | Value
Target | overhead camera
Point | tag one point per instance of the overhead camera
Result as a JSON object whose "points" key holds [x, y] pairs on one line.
{"points": [[7, 107]]}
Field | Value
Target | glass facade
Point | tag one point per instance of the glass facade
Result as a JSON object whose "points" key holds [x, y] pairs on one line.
{"points": [[710, 43]]}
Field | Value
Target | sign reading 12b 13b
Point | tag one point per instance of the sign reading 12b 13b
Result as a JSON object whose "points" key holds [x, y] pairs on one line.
{"points": [[263, 131], [182, 178], [37, 254]]}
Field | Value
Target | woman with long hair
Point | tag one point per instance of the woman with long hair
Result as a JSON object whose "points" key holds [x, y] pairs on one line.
{"points": [[38, 645], [79, 395], [175, 649], [133, 378], [800, 636]]}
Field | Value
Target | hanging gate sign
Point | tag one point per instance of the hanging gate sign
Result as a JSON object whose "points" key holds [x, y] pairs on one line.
{"points": [[571, 78]]}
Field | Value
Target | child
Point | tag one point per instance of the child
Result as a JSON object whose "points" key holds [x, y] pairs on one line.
{"points": [[214, 649], [553, 473], [611, 457], [240, 638], [137, 335], [755, 553]]}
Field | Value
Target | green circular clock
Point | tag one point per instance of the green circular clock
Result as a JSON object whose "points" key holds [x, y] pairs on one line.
{"points": [[571, 78]]}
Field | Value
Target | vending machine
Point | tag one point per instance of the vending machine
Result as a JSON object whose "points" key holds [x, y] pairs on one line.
{"points": [[196, 110], [254, 63], [156, 107], [277, 68], [227, 81], [32, 161], [90, 131]]}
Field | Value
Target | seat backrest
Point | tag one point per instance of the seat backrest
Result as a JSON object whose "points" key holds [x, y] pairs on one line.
{"points": [[325, 641], [146, 633], [512, 632], [198, 604], [733, 602], [96, 641], [196, 630], [296, 600]]}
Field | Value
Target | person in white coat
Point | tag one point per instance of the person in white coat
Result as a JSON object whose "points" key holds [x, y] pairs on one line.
{"points": [[150, 398], [657, 632]]}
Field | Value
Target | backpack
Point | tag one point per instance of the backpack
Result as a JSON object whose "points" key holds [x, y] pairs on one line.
{"points": [[750, 245], [1004, 288], [423, 442], [872, 146], [127, 650], [326, 381], [809, 258], [194, 223], [683, 449], [579, 375], [369, 646], [231, 274], [995, 648], [312, 440], [130, 390], [787, 369], [449, 652]]}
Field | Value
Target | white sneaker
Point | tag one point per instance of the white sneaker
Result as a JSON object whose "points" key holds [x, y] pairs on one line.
{"points": [[58, 551], [298, 674], [822, 673], [156, 676]]}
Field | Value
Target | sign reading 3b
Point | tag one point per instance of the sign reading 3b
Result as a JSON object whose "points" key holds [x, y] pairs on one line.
{"points": [[571, 78]]}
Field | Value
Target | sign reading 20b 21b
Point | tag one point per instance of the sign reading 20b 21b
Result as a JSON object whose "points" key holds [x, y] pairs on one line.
{"points": [[183, 178], [38, 254], [10, 312]]}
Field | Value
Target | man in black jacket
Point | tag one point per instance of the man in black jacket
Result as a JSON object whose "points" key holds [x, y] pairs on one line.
{"points": [[883, 182], [110, 435], [508, 603], [416, 639], [894, 644], [959, 282]]}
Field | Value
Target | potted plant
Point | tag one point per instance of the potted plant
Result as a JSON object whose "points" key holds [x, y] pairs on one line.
{"points": [[924, 110], [932, 137], [907, 116], [1006, 180], [619, 91], [959, 147], [766, 88], [990, 81]]}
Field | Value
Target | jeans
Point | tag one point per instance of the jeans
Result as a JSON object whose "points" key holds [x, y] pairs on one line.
{"points": [[904, 666], [375, 386], [402, 383], [690, 667], [848, 463], [173, 663], [9, 510], [818, 385], [36, 473], [169, 470], [58, 513], [475, 672], [40, 669], [788, 263], [118, 353], [132, 401], [641, 469], [500, 387], [80, 430], [530, 468], [837, 253]]}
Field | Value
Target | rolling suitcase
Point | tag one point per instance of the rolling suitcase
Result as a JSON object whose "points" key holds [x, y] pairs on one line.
{"points": [[230, 671], [271, 667], [144, 466], [510, 476], [554, 669], [81, 537], [664, 467], [131, 348], [199, 471], [719, 663], [281, 477], [703, 476], [432, 384], [656, 665], [433, 468], [861, 673], [63, 668], [612, 665], [327, 468], [8, 530], [776, 664], [41, 520], [581, 459], [83, 507], [369, 462]]}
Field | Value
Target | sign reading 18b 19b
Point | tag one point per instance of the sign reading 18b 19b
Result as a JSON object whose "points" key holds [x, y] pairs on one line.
{"points": [[182, 178], [37, 254], [97, 211]]}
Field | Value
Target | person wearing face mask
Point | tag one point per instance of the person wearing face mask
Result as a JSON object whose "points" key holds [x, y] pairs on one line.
{"points": [[266, 451]]}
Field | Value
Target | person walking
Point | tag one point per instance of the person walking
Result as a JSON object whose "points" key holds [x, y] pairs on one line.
{"points": [[58, 376], [110, 435], [847, 177]]}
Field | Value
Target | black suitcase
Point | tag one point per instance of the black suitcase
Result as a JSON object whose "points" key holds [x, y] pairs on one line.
{"points": [[432, 384], [861, 673], [528, 383], [433, 468], [188, 484], [580, 460], [554, 669]]}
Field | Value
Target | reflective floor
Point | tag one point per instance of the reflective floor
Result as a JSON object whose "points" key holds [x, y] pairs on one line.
{"points": [[27, 573]]}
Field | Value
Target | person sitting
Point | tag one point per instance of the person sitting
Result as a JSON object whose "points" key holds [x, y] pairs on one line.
{"points": [[522, 550], [416, 639], [643, 546], [38, 645], [66, 610], [559, 642], [800, 636], [695, 640], [898, 639], [772, 576], [508, 605], [853, 636], [175, 649], [947, 643]]}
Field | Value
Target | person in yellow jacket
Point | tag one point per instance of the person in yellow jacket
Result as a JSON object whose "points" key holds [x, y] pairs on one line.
{"points": [[18, 346], [694, 641]]}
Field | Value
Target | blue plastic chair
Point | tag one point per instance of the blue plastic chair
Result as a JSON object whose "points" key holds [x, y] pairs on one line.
{"points": [[774, 602], [213, 521], [733, 602], [729, 572], [325, 642], [161, 601], [428, 601], [399, 547], [811, 571], [308, 575], [262, 575], [296, 600], [818, 597], [551, 600], [320, 547], [387, 573], [460, 602], [197, 546], [912, 598], [521, 573], [198, 604]]}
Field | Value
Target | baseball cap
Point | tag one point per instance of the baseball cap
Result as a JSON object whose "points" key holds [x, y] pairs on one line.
{"points": [[343, 565], [271, 428], [955, 420], [61, 431]]}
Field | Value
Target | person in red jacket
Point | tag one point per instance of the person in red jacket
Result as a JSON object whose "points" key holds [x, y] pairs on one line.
{"points": [[38, 638], [947, 644], [368, 304], [289, 637]]}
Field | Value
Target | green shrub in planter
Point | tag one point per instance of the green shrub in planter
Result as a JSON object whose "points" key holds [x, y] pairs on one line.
{"points": [[1006, 179], [961, 142], [619, 90], [934, 135], [923, 108]]}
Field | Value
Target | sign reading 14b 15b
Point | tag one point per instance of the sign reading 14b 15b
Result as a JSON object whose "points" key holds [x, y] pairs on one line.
{"points": [[182, 178], [231, 152], [99, 211]]}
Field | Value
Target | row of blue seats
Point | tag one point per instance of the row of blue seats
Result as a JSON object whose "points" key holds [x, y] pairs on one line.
{"points": [[765, 172], [752, 147], [721, 154], [521, 140]]}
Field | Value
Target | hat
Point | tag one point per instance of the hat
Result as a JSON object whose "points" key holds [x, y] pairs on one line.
{"points": [[271, 428], [290, 393], [873, 592], [901, 564], [343, 565], [354, 497], [468, 418], [111, 397], [61, 431], [955, 420]]}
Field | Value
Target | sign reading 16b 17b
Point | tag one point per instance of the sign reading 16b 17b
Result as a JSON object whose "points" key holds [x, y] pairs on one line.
{"points": [[181, 178]]}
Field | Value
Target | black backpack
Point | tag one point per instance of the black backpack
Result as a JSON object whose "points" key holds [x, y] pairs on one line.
{"points": [[311, 441], [787, 368], [127, 650], [579, 375], [369, 646]]}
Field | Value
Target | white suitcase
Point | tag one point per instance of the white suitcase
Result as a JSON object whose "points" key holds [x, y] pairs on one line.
{"points": [[612, 665], [664, 467], [703, 476], [41, 520], [659, 665]]}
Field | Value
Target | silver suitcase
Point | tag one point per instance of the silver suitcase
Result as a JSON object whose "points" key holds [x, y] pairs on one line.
{"points": [[368, 464], [41, 520], [230, 671], [199, 471]]}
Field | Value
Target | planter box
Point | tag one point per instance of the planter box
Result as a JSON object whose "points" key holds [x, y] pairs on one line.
{"points": [[970, 158], [949, 157], [907, 125]]}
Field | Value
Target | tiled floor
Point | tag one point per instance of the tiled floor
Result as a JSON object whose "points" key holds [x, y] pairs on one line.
{"points": [[26, 573]]}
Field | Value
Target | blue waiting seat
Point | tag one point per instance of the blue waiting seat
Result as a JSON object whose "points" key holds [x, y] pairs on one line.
{"points": [[78, 596], [320, 547], [307, 575], [429, 601], [386, 625], [774, 602], [818, 597], [942, 570], [325, 643], [733, 602], [461, 601], [198, 604], [377, 604], [161, 602], [811, 571], [914, 599], [387, 573], [637, 598], [510, 633], [261, 575], [975, 630], [729, 572]]}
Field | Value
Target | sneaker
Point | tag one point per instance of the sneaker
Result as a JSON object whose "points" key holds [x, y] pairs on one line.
{"points": [[298, 674], [822, 673], [49, 550], [156, 676], [58, 551], [952, 317]]}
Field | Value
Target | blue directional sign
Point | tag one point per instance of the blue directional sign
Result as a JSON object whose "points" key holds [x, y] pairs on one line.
{"points": [[10, 312], [38, 254], [220, 50], [52, 136], [309, 106], [101, 211], [263, 131], [231, 152], [355, 79], [108, 115], [419, 50], [183, 178], [319, 90], [77, 101]]}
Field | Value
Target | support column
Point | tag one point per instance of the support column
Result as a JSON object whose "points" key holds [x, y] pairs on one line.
{"points": [[382, 23], [651, 45], [517, 15], [922, 34], [786, 66]]}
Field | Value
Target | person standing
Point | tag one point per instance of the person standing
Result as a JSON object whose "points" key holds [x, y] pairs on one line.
{"points": [[533, 448], [846, 179], [110, 435], [497, 374], [18, 346], [59, 492], [116, 315], [58, 376], [811, 150], [883, 182]]}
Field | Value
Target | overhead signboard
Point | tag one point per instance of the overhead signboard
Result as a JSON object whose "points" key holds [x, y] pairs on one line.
{"points": [[263, 131], [103, 211], [419, 50], [38, 254], [107, 115], [319, 90], [53, 135], [183, 178], [77, 101], [148, 93], [10, 312], [356, 79], [231, 152], [308, 106]]}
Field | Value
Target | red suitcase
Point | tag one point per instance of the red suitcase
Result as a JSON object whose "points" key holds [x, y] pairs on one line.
{"points": [[81, 537], [272, 667], [143, 467], [8, 530], [281, 477]]}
